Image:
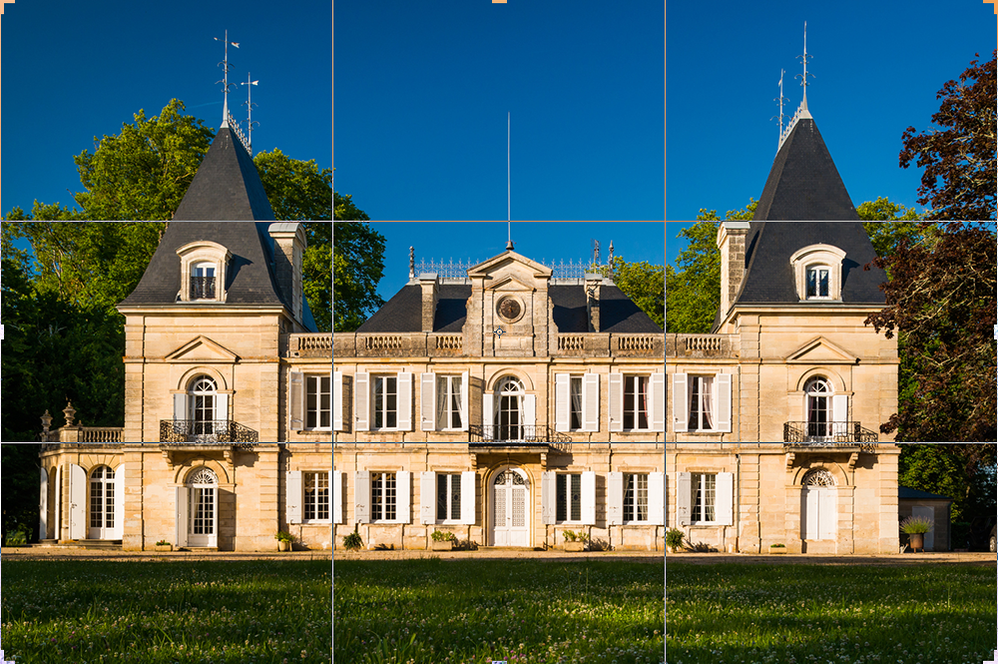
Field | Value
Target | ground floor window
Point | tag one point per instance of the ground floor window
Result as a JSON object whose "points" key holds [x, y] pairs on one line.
{"points": [[383, 496], [101, 501], [568, 491], [635, 497], [316, 486], [448, 496], [703, 488]]}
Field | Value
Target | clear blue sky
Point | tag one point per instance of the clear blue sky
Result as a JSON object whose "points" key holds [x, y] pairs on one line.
{"points": [[73, 70], [423, 89], [877, 67], [479, 241]]}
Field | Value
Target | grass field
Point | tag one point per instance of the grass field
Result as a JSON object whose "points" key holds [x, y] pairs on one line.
{"points": [[164, 612], [447, 611], [803, 614]]}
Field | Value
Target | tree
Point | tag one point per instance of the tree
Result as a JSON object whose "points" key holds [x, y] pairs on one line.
{"points": [[958, 152], [21, 486], [317, 274], [644, 284], [346, 210], [941, 299], [297, 190], [694, 290], [358, 265]]}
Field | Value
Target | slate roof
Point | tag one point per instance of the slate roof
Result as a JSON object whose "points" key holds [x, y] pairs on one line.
{"points": [[804, 183], [769, 277], [227, 185], [403, 313]]}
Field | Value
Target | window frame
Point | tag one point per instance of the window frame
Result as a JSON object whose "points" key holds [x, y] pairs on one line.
{"points": [[205, 266], [318, 411], [568, 498], [818, 269], [631, 485], [316, 504], [635, 415], [378, 380], [451, 500], [447, 380], [817, 257], [695, 382], [698, 482], [575, 380], [202, 254], [384, 497]]}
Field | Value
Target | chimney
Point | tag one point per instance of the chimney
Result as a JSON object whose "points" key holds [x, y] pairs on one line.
{"points": [[428, 284], [593, 283], [289, 250], [731, 238]]}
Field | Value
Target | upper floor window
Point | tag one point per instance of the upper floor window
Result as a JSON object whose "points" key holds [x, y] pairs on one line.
{"points": [[203, 281], [701, 395], [818, 281], [818, 272], [318, 402], [449, 402], [385, 392], [203, 267], [636, 402]]}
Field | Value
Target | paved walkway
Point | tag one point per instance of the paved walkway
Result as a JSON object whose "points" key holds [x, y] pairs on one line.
{"points": [[60, 553]]}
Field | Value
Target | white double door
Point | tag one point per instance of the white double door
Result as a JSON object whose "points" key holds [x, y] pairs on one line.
{"points": [[197, 510], [510, 508]]}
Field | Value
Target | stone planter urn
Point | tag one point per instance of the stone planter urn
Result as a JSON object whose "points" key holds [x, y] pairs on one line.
{"points": [[777, 550], [444, 545], [164, 547], [575, 546], [917, 541], [283, 545]]}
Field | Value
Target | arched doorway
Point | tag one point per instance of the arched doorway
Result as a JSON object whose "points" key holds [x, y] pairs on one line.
{"points": [[509, 418], [102, 504], [510, 491], [819, 506], [202, 512]]}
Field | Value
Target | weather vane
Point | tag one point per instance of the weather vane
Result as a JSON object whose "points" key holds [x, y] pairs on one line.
{"points": [[225, 78], [249, 112], [780, 100], [803, 77]]}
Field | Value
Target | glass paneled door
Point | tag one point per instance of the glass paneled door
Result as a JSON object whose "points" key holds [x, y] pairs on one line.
{"points": [[101, 504], [202, 513], [510, 508]]}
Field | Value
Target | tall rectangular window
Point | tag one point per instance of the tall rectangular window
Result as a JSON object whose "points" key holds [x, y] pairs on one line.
{"points": [[636, 402], [701, 410], [383, 496], [568, 495], [318, 402], [448, 496], [385, 401], [704, 488], [449, 402], [636, 497], [575, 403], [316, 486]]}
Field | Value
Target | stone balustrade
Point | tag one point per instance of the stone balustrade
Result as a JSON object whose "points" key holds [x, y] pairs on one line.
{"points": [[309, 345], [436, 344], [91, 434], [701, 346]]}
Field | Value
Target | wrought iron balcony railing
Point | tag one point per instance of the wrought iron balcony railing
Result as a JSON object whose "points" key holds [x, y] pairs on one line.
{"points": [[827, 433], [205, 431], [522, 433], [202, 288]]}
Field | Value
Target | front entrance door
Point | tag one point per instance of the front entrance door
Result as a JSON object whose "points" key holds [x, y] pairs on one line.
{"points": [[202, 514], [510, 508], [102, 501]]}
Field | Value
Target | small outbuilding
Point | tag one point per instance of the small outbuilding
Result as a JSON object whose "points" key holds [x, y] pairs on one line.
{"points": [[914, 502]]}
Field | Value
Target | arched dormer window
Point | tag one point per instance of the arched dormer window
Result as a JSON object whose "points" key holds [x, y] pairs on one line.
{"points": [[818, 272], [203, 267]]}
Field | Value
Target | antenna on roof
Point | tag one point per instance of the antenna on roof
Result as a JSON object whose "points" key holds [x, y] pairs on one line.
{"points": [[225, 78], [780, 100], [803, 77], [249, 112], [509, 236]]}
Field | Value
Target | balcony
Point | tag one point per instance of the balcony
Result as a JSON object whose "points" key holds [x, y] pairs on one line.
{"points": [[202, 288], [827, 434], [489, 433], [205, 431], [701, 346]]}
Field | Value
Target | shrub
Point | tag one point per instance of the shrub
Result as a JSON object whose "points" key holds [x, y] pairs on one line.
{"points": [[284, 536], [777, 546], [439, 536], [352, 542], [162, 543], [916, 524], [674, 538], [572, 536], [17, 538]]}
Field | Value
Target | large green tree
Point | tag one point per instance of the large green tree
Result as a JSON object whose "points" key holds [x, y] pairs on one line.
{"points": [[644, 284], [358, 265], [19, 469]]}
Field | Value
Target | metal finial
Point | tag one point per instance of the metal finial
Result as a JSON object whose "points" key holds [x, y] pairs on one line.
{"points": [[803, 77], [596, 252], [249, 112], [610, 260], [412, 263], [780, 100], [225, 78]]}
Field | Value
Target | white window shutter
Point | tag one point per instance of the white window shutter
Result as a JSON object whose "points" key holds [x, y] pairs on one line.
{"points": [[296, 401], [361, 401], [723, 404], [829, 511], [222, 407], [428, 402], [683, 496], [405, 401], [589, 497], [840, 414], [180, 406], [337, 496], [337, 401], [403, 496], [590, 402], [656, 499], [119, 503], [530, 410], [680, 406], [468, 488], [180, 499], [293, 496], [427, 497], [562, 399], [616, 402], [486, 412], [810, 526], [656, 394], [465, 388], [724, 499], [77, 502], [43, 505], [362, 497], [615, 498], [548, 497]]}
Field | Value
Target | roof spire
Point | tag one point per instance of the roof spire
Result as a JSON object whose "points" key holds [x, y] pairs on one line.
{"points": [[780, 100], [803, 78], [225, 78], [249, 112]]}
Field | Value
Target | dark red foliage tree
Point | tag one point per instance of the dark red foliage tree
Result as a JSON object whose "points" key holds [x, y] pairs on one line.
{"points": [[958, 152], [941, 302]]}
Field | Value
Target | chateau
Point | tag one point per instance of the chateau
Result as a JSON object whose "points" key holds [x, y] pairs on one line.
{"points": [[228, 389]]}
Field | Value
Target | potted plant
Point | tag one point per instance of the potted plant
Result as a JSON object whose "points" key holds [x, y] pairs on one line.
{"points": [[284, 539], [443, 541], [163, 545], [777, 548], [674, 539], [352, 542], [916, 527], [575, 541]]}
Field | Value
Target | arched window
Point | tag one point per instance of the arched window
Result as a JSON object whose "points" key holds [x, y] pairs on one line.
{"points": [[202, 396], [818, 404], [818, 477], [508, 417]]}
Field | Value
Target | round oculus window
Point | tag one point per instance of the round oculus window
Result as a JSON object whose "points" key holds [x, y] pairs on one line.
{"points": [[509, 309]]}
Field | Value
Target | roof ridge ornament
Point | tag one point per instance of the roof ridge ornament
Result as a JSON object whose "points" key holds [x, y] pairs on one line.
{"points": [[780, 101], [225, 78], [249, 112], [803, 77], [802, 112]]}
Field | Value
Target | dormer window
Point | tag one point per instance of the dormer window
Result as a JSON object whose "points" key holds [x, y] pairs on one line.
{"points": [[818, 272], [202, 272]]}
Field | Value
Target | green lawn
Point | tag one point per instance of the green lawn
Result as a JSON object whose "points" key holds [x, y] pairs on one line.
{"points": [[447, 611], [787, 614], [166, 612]]}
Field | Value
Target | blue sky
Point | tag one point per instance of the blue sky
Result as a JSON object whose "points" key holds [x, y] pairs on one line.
{"points": [[72, 71], [478, 241], [423, 94]]}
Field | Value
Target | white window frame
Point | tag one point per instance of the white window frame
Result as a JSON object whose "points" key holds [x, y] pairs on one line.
{"points": [[204, 266], [319, 411], [450, 499], [722, 403], [818, 270], [723, 498], [635, 393], [695, 382], [319, 480], [563, 497], [446, 381], [703, 483], [384, 495], [632, 482]]}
